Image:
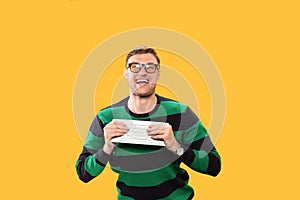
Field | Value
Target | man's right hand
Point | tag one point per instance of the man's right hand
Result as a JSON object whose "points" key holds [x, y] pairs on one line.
{"points": [[113, 129]]}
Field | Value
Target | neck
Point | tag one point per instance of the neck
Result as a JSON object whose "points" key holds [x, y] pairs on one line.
{"points": [[140, 105]]}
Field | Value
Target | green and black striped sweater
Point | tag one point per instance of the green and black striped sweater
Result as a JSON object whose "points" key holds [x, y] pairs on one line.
{"points": [[150, 172]]}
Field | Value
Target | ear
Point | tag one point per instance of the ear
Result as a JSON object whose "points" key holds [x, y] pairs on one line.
{"points": [[158, 75], [126, 73]]}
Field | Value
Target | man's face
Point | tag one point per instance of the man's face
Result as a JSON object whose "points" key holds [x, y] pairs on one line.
{"points": [[142, 83]]}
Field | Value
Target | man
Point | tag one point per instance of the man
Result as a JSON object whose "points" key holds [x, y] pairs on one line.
{"points": [[148, 172]]}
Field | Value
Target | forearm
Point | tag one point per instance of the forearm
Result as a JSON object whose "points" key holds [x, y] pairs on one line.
{"points": [[89, 164], [202, 157], [202, 161]]}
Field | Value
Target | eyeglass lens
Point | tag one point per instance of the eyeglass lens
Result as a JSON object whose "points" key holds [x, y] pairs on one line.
{"points": [[149, 67]]}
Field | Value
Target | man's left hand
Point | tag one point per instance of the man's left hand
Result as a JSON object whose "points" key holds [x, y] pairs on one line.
{"points": [[164, 132]]}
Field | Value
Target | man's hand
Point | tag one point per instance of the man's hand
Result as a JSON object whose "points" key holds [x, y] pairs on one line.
{"points": [[113, 129], [164, 132]]}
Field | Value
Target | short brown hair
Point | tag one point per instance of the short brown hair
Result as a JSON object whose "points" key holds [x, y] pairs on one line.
{"points": [[142, 50]]}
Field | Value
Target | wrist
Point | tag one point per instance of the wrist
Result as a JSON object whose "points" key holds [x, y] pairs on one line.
{"points": [[174, 147], [102, 157], [108, 148], [177, 149]]}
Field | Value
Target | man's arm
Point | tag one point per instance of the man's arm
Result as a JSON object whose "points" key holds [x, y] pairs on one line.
{"points": [[200, 153], [203, 157], [98, 148], [92, 159]]}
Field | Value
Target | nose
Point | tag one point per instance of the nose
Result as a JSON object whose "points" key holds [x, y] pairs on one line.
{"points": [[143, 70]]}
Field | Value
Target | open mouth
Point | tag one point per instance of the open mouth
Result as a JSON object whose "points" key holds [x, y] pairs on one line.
{"points": [[142, 81]]}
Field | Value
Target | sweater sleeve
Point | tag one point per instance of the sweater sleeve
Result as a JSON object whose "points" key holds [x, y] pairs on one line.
{"points": [[92, 159], [200, 153]]}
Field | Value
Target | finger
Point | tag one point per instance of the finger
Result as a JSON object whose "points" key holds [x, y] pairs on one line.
{"points": [[115, 130], [160, 126], [115, 121], [156, 125], [155, 133], [114, 134], [121, 125], [111, 134], [158, 137], [155, 129], [117, 126], [151, 131], [121, 128]]}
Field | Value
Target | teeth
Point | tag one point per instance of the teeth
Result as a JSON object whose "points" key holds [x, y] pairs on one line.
{"points": [[142, 81]]}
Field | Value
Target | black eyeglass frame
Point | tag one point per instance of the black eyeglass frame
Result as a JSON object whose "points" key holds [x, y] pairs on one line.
{"points": [[145, 65]]}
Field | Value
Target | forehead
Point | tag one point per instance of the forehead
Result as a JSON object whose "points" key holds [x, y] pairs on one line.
{"points": [[144, 58]]}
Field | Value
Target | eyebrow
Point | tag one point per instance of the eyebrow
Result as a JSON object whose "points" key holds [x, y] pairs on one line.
{"points": [[142, 63]]}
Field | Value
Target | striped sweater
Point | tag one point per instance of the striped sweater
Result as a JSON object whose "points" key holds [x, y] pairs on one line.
{"points": [[150, 172]]}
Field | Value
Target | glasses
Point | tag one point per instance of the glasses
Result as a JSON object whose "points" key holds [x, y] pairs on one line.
{"points": [[137, 67]]}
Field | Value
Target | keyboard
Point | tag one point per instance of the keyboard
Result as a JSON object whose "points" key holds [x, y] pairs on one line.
{"points": [[137, 133]]}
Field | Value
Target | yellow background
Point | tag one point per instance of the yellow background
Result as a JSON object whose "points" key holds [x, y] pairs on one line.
{"points": [[255, 45]]}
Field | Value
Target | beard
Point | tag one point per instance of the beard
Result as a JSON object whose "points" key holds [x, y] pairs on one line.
{"points": [[146, 94]]}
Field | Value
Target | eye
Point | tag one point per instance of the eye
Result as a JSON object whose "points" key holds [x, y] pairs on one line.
{"points": [[151, 67], [134, 65]]}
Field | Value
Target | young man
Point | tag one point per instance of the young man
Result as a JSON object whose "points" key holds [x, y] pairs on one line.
{"points": [[145, 171]]}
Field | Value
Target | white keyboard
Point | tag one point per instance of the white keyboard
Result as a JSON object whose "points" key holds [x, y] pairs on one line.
{"points": [[137, 133]]}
